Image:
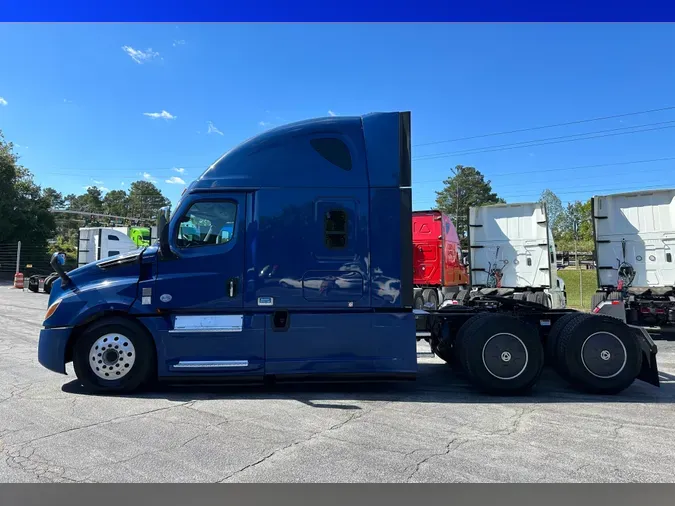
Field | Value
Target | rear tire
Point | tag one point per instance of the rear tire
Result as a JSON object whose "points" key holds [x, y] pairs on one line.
{"points": [[500, 354], [430, 296], [552, 341], [114, 355], [418, 301], [598, 354]]}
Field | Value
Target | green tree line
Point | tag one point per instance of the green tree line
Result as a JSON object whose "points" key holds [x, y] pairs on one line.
{"points": [[27, 209]]}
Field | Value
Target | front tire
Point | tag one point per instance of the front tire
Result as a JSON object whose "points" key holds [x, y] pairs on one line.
{"points": [[114, 355]]}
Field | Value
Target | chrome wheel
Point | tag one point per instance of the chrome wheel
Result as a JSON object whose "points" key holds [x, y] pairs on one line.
{"points": [[603, 355], [112, 356], [505, 356]]}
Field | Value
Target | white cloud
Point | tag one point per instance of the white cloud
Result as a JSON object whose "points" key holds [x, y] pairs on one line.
{"points": [[96, 182], [66, 101], [148, 177], [264, 124], [102, 188], [140, 56], [122, 183], [178, 43], [3, 102], [158, 115], [175, 180], [331, 113], [180, 170], [213, 129]]}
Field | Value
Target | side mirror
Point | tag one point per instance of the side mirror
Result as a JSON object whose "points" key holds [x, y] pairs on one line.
{"points": [[57, 262], [163, 232]]}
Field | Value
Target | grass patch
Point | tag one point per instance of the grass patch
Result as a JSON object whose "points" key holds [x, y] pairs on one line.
{"points": [[588, 283]]}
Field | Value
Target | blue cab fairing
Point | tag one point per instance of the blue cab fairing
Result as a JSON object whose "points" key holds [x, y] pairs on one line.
{"points": [[284, 293]]}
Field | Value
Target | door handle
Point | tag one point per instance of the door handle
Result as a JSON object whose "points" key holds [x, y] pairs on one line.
{"points": [[232, 287]]}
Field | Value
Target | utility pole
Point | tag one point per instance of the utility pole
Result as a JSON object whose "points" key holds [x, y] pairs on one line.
{"points": [[456, 173], [576, 260]]}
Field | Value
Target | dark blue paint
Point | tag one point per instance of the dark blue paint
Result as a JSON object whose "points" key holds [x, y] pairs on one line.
{"points": [[52, 348], [347, 10], [284, 191]]}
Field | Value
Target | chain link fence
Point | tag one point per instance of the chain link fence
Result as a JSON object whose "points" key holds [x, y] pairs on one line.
{"points": [[27, 259]]}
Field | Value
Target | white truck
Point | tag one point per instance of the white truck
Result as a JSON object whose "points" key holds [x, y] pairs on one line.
{"points": [[95, 243], [634, 236], [512, 254]]}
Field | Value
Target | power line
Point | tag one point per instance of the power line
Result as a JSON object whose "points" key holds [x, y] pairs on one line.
{"points": [[596, 192], [578, 122], [577, 167], [504, 147]]}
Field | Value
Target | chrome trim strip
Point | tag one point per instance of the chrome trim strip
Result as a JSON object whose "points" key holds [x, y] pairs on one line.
{"points": [[204, 330], [209, 323], [199, 364]]}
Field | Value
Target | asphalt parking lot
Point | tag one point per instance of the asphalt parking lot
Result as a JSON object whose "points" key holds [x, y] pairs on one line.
{"points": [[434, 430]]}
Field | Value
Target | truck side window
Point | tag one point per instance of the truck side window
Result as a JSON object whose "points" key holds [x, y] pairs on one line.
{"points": [[113, 238], [669, 257], [333, 150], [113, 253], [207, 224], [335, 228]]}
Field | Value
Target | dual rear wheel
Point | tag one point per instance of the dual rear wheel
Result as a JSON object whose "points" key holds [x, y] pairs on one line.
{"points": [[502, 354]]}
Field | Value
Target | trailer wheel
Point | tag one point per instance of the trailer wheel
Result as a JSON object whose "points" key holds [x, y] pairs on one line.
{"points": [[114, 355], [598, 354], [597, 299], [500, 353], [430, 296]]}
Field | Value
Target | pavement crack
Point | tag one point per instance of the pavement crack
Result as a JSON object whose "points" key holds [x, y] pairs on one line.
{"points": [[334, 427], [96, 424], [448, 448]]}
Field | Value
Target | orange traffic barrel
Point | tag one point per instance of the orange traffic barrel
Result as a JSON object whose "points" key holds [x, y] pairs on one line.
{"points": [[18, 280]]}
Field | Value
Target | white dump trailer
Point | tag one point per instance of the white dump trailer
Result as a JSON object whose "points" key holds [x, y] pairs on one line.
{"points": [[512, 253], [634, 237], [95, 243]]}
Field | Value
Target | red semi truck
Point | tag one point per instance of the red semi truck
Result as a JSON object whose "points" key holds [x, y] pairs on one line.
{"points": [[439, 271]]}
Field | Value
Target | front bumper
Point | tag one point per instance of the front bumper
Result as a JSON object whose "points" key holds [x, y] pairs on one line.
{"points": [[52, 348]]}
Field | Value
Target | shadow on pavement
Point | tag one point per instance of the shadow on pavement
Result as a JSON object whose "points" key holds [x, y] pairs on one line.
{"points": [[436, 383]]}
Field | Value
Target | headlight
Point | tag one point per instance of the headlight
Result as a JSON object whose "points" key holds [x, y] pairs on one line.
{"points": [[52, 309]]}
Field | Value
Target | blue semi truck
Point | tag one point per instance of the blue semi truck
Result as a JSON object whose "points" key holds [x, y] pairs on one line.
{"points": [[290, 258]]}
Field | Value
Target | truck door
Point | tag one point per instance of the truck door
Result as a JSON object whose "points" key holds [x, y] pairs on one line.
{"points": [[201, 289]]}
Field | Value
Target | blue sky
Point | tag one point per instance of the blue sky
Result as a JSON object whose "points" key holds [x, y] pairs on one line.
{"points": [[111, 103]]}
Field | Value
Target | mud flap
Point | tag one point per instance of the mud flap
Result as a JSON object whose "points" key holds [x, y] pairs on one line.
{"points": [[649, 372]]}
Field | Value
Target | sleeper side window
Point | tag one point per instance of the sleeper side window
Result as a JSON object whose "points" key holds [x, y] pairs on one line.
{"points": [[335, 229], [333, 150], [113, 238], [207, 224]]}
